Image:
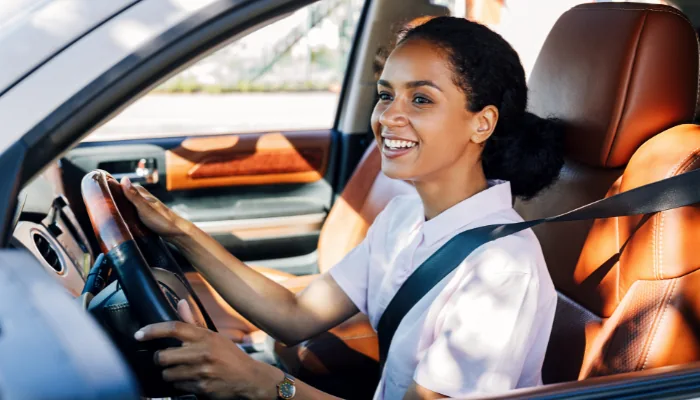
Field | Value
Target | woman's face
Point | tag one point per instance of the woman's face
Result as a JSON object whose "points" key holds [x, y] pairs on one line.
{"points": [[421, 122]]}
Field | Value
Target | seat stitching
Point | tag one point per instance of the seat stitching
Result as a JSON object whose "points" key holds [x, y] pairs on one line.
{"points": [[680, 167], [617, 245], [649, 338], [654, 247], [666, 302], [660, 245], [628, 84]]}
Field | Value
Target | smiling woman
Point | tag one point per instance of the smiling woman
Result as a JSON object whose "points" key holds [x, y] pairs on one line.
{"points": [[442, 103], [451, 120], [524, 149]]}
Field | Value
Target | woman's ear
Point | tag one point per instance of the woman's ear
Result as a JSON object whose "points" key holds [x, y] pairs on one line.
{"points": [[486, 120]]}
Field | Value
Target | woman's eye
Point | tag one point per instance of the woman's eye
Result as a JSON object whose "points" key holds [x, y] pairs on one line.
{"points": [[421, 100], [384, 96]]}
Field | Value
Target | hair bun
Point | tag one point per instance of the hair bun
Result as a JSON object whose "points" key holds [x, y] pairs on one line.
{"points": [[530, 156], [524, 149]]}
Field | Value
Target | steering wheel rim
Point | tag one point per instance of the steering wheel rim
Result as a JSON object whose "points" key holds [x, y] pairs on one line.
{"points": [[133, 250]]}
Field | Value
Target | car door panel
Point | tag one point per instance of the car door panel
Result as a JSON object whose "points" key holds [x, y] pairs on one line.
{"points": [[253, 159], [263, 196]]}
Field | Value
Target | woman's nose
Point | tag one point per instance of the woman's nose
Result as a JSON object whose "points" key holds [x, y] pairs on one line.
{"points": [[393, 115]]}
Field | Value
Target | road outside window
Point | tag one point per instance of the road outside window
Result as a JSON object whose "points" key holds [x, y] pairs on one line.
{"points": [[285, 76]]}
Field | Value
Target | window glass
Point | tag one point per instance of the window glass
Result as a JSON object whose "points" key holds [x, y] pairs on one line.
{"points": [[285, 76]]}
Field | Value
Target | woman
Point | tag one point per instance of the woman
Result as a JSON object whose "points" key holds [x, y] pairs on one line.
{"points": [[451, 121]]}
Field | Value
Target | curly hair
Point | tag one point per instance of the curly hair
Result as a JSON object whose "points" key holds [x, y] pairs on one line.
{"points": [[524, 149]]}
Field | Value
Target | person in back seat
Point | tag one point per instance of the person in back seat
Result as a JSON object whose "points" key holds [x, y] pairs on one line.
{"points": [[451, 121]]}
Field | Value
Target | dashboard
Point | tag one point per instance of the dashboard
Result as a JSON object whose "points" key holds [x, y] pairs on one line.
{"points": [[47, 227]]}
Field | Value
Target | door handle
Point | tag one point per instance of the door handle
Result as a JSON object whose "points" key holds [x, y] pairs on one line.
{"points": [[145, 173]]}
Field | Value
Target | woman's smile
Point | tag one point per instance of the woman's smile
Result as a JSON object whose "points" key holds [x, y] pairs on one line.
{"points": [[394, 147]]}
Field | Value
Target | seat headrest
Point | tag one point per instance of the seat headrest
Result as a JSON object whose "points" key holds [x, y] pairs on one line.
{"points": [[616, 74]]}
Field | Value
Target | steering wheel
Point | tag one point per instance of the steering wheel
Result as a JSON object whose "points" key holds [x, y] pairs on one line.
{"points": [[149, 281]]}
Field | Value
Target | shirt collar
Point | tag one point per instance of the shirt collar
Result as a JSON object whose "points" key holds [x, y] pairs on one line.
{"points": [[497, 197]]}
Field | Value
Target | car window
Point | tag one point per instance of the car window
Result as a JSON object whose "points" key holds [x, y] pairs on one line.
{"points": [[284, 76]]}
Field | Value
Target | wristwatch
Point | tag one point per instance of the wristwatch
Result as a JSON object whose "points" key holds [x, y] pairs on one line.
{"points": [[286, 390]]}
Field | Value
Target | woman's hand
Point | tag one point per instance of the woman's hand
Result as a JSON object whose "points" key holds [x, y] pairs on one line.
{"points": [[154, 214], [208, 363]]}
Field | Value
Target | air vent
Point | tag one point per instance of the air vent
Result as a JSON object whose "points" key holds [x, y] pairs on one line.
{"points": [[48, 252]]}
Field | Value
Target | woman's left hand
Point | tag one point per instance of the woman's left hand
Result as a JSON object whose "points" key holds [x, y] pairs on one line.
{"points": [[208, 363]]}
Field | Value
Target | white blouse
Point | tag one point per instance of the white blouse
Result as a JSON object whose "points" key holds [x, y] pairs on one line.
{"points": [[485, 327]]}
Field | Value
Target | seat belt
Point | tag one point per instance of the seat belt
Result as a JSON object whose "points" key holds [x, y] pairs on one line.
{"points": [[677, 191]]}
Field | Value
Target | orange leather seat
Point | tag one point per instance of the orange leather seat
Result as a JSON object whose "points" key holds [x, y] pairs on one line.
{"points": [[622, 77]]}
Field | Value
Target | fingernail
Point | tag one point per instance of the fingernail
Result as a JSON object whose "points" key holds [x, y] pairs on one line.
{"points": [[139, 335], [130, 186], [127, 181]]}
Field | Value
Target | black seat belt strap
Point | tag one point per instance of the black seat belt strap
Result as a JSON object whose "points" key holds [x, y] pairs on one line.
{"points": [[677, 191]]}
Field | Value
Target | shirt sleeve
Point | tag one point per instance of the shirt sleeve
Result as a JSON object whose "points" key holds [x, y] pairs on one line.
{"points": [[482, 335], [352, 274]]}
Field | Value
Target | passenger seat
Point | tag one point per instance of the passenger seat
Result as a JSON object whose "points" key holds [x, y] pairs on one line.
{"points": [[624, 79]]}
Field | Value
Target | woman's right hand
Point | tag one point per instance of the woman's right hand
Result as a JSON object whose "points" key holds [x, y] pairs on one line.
{"points": [[153, 213]]}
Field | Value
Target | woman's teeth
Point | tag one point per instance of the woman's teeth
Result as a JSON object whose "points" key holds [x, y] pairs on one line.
{"points": [[398, 144]]}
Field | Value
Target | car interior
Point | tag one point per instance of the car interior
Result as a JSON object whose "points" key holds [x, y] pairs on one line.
{"points": [[623, 77]]}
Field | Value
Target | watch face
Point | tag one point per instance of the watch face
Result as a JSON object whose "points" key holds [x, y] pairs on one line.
{"points": [[287, 390]]}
